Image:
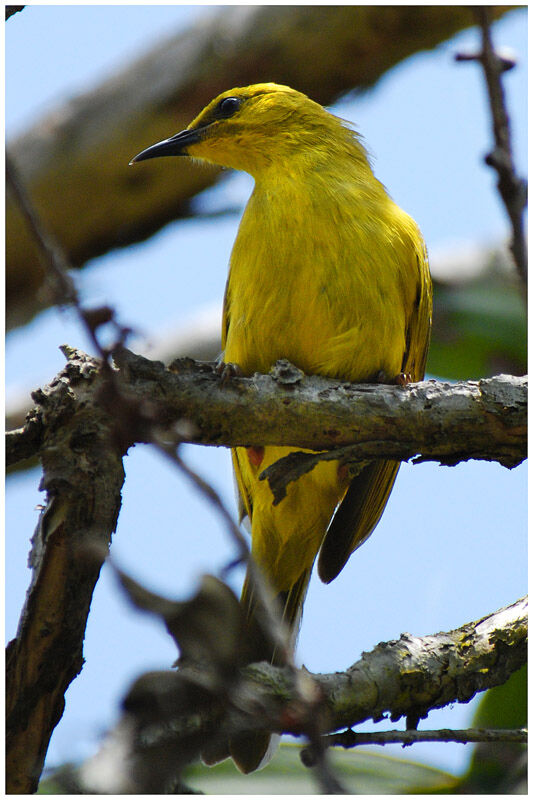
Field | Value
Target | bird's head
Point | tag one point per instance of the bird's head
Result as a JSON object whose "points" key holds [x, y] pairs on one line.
{"points": [[255, 127]]}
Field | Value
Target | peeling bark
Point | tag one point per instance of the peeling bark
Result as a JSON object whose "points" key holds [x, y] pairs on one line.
{"points": [[82, 476], [440, 421], [84, 422]]}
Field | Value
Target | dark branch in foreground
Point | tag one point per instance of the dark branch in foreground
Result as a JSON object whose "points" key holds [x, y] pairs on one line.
{"points": [[82, 476], [89, 415], [406, 677], [10, 10], [440, 421], [122, 420]]}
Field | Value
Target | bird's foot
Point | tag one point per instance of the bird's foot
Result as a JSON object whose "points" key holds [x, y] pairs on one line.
{"points": [[227, 370], [401, 379]]}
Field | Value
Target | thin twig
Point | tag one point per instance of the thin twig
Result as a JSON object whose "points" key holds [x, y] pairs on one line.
{"points": [[65, 293], [275, 627], [352, 738], [53, 257], [349, 739], [58, 272], [512, 188], [130, 413]]}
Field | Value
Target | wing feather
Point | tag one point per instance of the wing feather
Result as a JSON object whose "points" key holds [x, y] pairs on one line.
{"points": [[364, 502]]}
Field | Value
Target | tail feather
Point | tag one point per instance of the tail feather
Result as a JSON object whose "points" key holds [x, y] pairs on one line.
{"points": [[356, 517], [253, 751]]}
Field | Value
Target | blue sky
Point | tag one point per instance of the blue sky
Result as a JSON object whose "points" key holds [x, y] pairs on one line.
{"points": [[452, 543]]}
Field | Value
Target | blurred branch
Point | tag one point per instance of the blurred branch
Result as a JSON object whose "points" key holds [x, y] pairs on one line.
{"points": [[75, 161], [10, 10], [272, 627], [56, 266], [57, 272], [81, 455], [406, 677], [63, 292], [512, 188], [438, 421], [211, 633], [127, 421]]}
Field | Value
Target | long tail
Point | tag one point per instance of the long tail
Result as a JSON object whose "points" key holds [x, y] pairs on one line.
{"points": [[251, 751]]}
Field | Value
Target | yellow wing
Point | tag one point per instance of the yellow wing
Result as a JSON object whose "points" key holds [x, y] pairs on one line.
{"points": [[364, 502]]}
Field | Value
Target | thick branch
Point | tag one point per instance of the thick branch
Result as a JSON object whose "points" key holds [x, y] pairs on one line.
{"points": [[80, 434], [75, 161], [413, 675], [83, 476], [199, 337], [445, 422], [407, 677]]}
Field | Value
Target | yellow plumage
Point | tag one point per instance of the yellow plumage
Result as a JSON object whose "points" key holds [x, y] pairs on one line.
{"points": [[328, 272]]}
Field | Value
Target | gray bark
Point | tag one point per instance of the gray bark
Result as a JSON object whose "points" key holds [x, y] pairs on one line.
{"points": [[86, 419], [441, 421], [406, 677]]}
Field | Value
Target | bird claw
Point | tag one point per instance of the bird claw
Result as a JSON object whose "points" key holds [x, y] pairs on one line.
{"points": [[227, 371], [401, 379]]}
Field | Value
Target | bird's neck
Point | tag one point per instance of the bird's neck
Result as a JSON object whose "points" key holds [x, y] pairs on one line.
{"points": [[330, 163], [321, 182]]}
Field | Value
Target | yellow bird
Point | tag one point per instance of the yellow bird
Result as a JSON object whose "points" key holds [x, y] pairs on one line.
{"points": [[329, 273]]}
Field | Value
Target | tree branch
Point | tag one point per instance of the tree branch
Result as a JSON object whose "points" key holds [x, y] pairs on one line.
{"points": [[198, 336], [349, 739], [10, 10], [413, 675], [82, 476], [512, 188], [440, 421], [406, 677]]}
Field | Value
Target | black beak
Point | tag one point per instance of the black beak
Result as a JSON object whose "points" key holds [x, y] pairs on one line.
{"points": [[175, 146]]}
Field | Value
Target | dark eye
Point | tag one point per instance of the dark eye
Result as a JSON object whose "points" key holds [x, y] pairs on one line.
{"points": [[228, 106]]}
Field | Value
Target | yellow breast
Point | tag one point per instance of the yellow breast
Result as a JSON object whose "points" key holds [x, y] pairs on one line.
{"points": [[325, 279]]}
